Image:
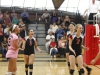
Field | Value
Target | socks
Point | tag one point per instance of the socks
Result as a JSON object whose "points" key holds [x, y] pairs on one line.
{"points": [[26, 72], [79, 73], [30, 73]]}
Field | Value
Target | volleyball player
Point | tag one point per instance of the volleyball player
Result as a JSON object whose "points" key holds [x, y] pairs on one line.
{"points": [[13, 46], [29, 54], [98, 55], [75, 41], [72, 27]]}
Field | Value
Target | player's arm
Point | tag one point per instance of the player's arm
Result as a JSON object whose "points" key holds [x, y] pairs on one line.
{"points": [[70, 44], [23, 45], [36, 47], [82, 45], [17, 43], [98, 55]]}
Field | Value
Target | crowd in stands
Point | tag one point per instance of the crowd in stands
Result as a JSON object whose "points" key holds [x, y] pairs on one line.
{"points": [[57, 31], [6, 21]]}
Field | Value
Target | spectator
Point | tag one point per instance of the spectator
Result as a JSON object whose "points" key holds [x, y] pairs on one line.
{"points": [[21, 23], [53, 49], [59, 21], [61, 46], [7, 19], [4, 47], [45, 16], [1, 33], [49, 37], [24, 16], [15, 20], [65, 28], [54, 16], [6, 13], [7, 31], [1, 17], [50, 29], [54, 27], [59, 32], [93, 10], [13, 14], [23, 31], [67, 21]]}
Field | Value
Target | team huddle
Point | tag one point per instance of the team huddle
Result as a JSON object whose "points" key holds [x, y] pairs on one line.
{"points": [[73, 51]]}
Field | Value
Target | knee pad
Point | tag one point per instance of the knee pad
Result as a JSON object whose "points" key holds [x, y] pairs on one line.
{"points": [[82, 70], [14, 73], [68, 64], [76, 65], [26, 65], [71, 72], [31, 66], [9, 73]]}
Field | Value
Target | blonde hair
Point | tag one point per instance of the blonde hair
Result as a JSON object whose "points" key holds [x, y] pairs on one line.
{"points": [[76, 26]]}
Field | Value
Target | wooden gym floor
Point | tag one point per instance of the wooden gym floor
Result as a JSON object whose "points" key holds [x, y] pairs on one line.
{"points": [[44, 65]]}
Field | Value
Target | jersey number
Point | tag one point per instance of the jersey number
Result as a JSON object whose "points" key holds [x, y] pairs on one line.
{"points": [[9, 40], [78, 41]]}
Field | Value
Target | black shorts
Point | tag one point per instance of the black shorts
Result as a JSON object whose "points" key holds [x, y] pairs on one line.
{"points": [[28, 52], [77, 54]]}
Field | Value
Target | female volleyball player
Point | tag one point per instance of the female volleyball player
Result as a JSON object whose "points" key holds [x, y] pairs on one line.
{"points": [[29, 54], [98, 55], [72, 27], [75, 41], [13, 46]]}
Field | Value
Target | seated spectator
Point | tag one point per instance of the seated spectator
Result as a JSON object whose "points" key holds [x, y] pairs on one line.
{"points": [[7, 31], [67, 21], [54, 16], [46, 16], [15, 20], [53, 49], [1, 17], [21, 23], [1, 33], [6, 13], [54, 27], [61, 46], [49, 37], [50, 29], [13, 14], [59, 32], [65, 28], [7, 19], [23, 31], [24, 16], [59, 21], [4, 47]]}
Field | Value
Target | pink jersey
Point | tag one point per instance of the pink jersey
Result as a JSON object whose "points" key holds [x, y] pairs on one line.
{"points": [[12, 53]]}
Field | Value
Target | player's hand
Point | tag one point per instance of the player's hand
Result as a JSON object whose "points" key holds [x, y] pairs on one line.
{"points": [[92, 62], [86, 48], [40, 51], [74, 52]]}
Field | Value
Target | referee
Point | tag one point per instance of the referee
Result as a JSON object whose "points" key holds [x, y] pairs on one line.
{"points": [[93, 9]]}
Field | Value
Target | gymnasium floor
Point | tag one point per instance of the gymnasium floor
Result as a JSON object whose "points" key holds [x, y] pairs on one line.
{"points": [[44, 65]]}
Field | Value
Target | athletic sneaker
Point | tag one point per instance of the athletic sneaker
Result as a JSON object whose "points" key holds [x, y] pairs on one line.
{"points": [[89, 71]]}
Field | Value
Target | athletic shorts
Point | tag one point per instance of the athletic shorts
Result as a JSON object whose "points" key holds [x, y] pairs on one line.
{"points": [[28, 52], [77, 54]]}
